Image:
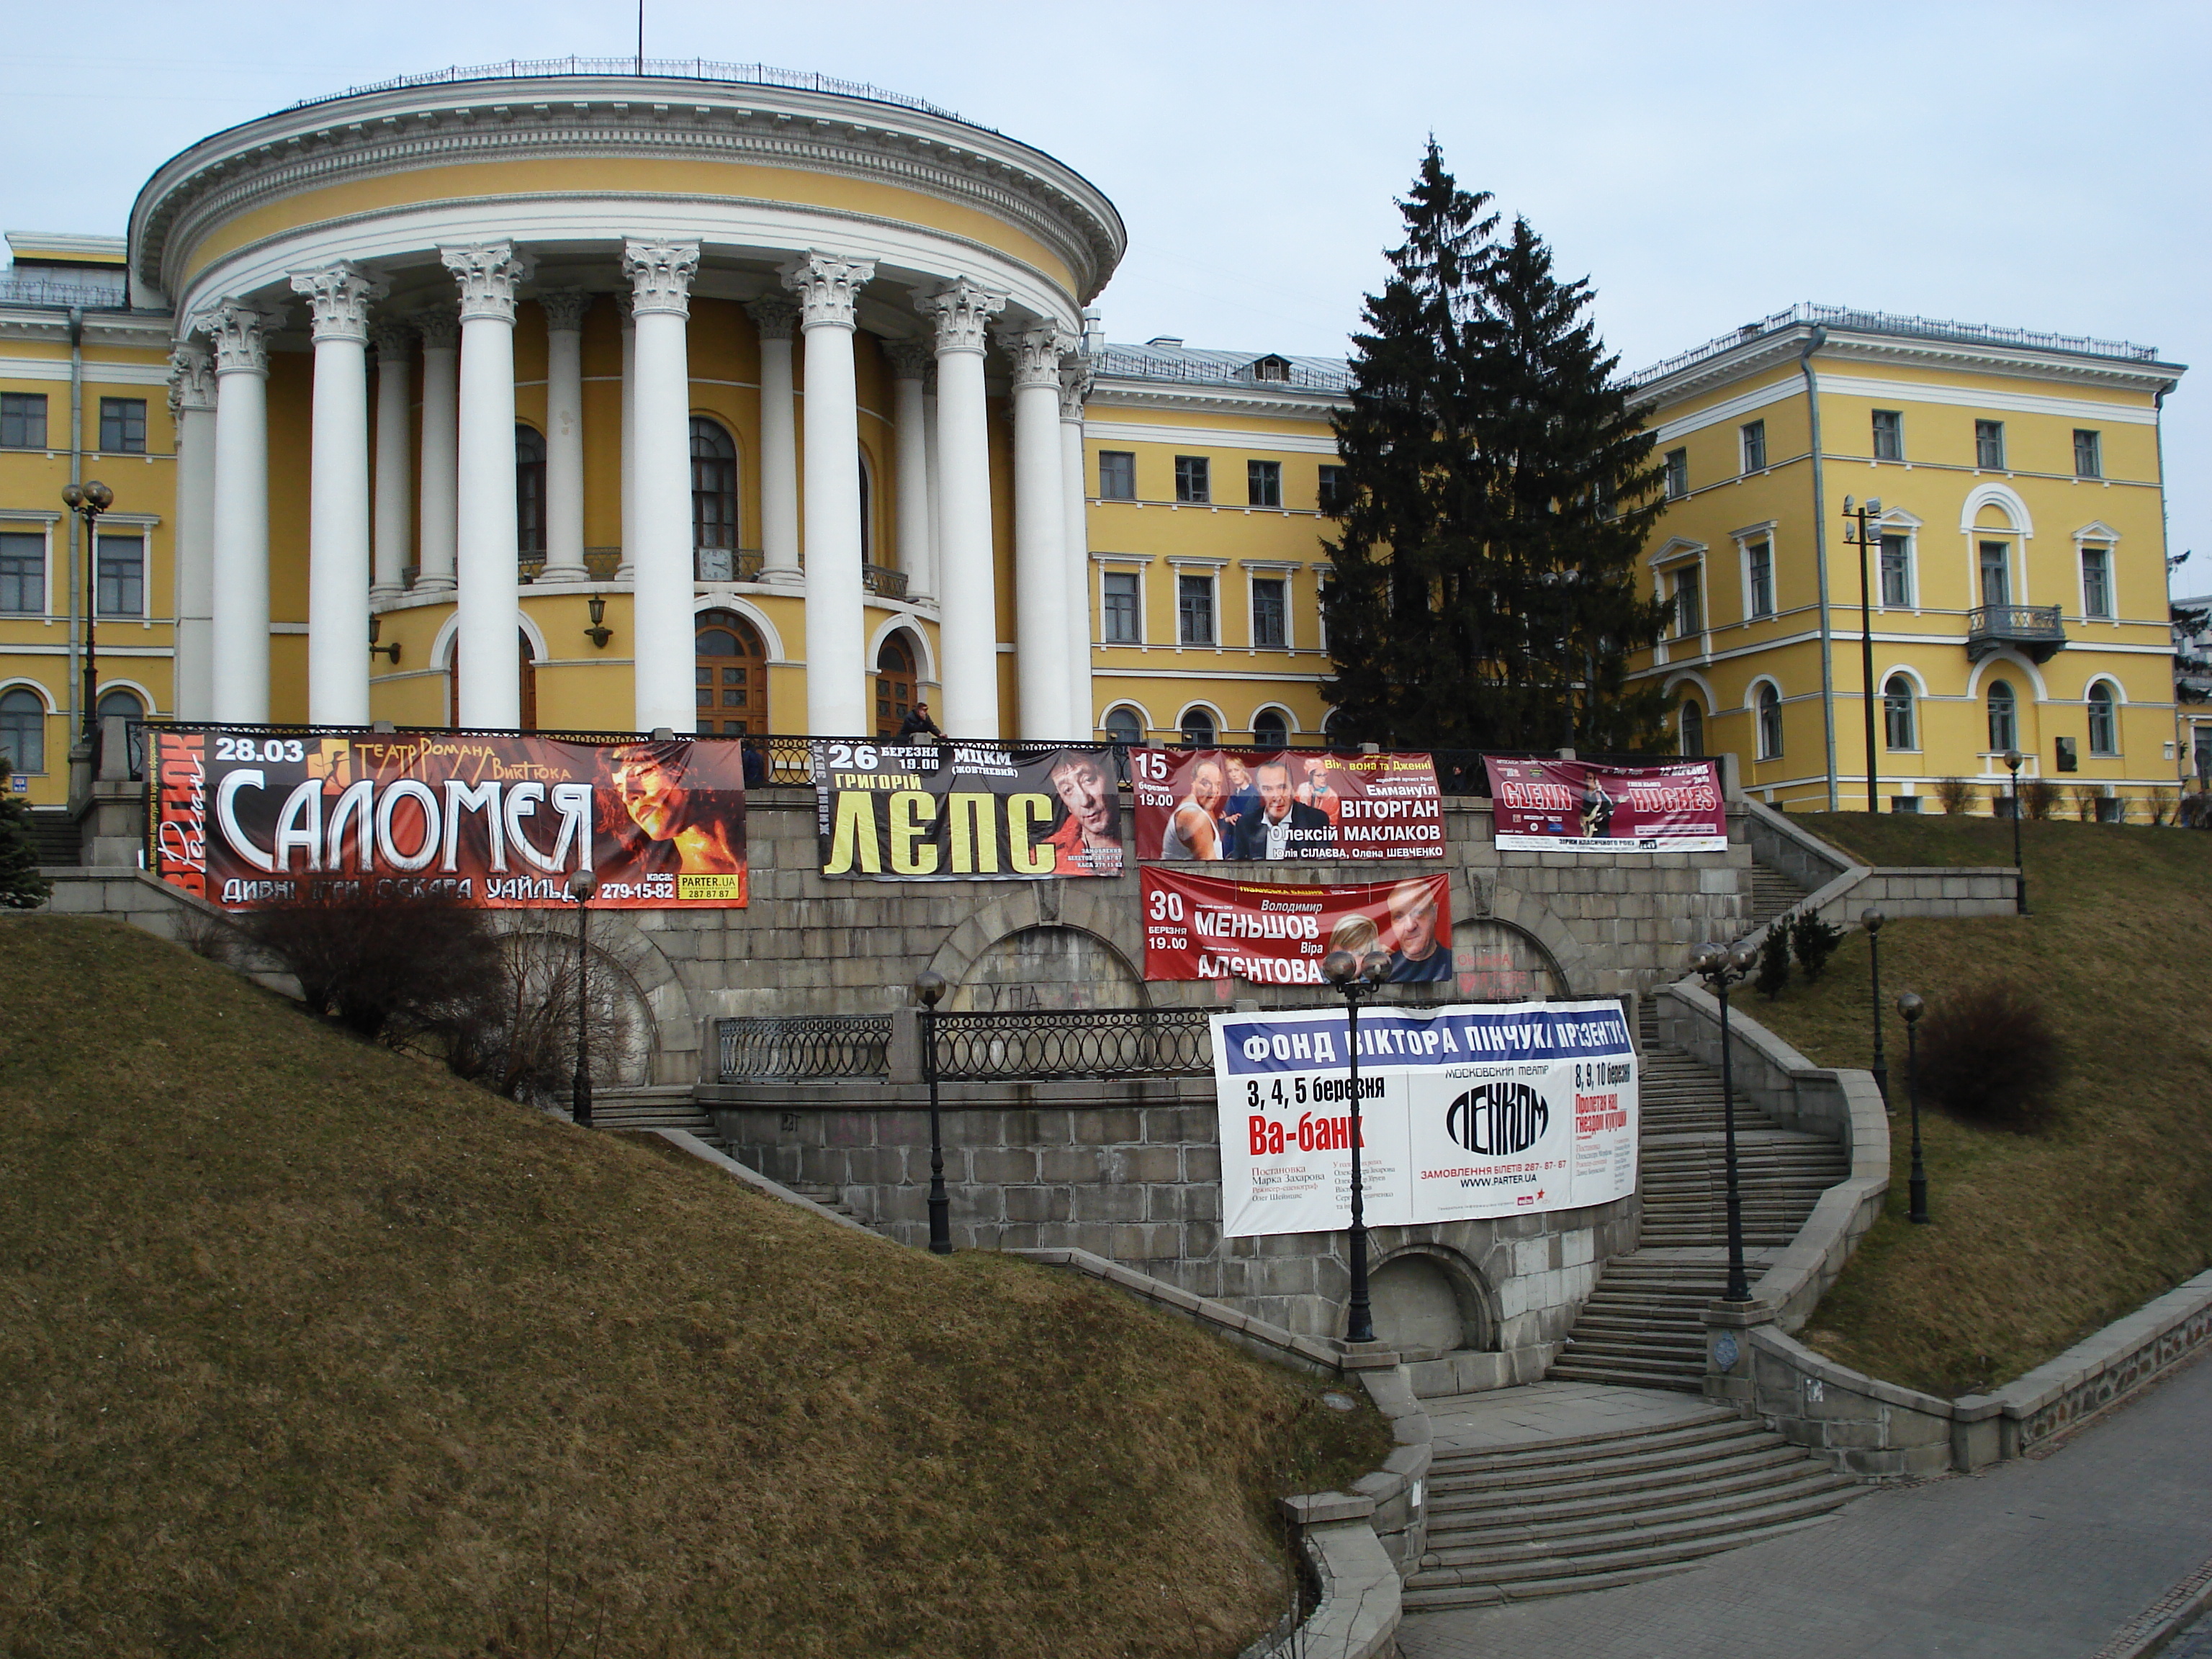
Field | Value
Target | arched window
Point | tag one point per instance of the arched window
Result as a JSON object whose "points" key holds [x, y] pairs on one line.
{"points": [[1198, 727], [894, 678], [1693, 730], [526, 658], [2004, 717], [23, 730], [1271, 729], [713, 485], [732, 665], [1897, 713], [1770, 722], [867, 516], [1125, 724], [117, 703], [529, 493], [2104, 719]]}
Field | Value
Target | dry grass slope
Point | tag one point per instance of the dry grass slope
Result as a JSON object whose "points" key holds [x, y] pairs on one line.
{"points": [[311, 1350], [2039, 1240]]}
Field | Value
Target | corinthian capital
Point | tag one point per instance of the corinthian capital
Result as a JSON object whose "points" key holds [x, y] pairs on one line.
{"points": [[911, 360], [660, 275], [828, 286], [392, 337], [338, 301], [488, 273], [440, 329], [961, 310], [1036, 349], [565, 308], [774, 318], [1076, 377], [191, 377], [238, 334]]}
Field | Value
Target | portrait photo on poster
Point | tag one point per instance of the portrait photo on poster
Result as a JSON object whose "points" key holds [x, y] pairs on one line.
{"points": [[1200, 927], [1280, 805], [965, 812]]}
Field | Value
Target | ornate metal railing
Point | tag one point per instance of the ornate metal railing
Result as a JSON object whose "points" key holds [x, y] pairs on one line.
{"points": [[1124, 363], [883, 582], [2038, 629], [1883, 322], [1032, 1046], [804, 1046], [42, 291], [725, 564]]}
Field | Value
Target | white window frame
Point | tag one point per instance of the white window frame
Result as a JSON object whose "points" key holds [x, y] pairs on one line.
{"points": [[2015, 567], [1744, 539], [52, 708], [2101, 538], [1259, 570], [1919, 689], [1143, 718], [1677, 554], [21, 522], [2088, 705], [1211, 569], [1754, 699], [1898, 522], [1110, 565], [1289, 722]]}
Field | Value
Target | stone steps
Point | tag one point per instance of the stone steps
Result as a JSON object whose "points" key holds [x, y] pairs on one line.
{"points": [[1771, 893]]}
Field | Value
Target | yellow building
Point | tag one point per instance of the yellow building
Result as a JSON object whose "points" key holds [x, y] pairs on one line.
{"points": [[2015, 593]]}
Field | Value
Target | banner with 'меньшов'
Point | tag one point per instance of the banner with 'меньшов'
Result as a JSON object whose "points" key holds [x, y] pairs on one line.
{"points": [[1465, 1112]]}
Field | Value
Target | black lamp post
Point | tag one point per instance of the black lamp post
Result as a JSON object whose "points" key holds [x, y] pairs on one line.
{"points": [[582, 884], [1862, 540], [1721, 966], [89, 501], [2012, 758], [1356, 979], [928, 989], [1872, 919], [1912, 1007]]}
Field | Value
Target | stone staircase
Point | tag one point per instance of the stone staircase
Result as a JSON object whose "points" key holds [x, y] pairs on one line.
{"points": [[671, 1107], [1771, 893], [1550, 1518], [1641, 1325], [54, 833]]}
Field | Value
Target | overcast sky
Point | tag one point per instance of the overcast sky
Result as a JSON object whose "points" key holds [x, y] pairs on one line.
{"points": [[2029, 165]]}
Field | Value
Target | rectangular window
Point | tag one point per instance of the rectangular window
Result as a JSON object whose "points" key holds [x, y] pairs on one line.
{"points": [[23, 574], [1997, 574], [1989, 446], [1194, 609], [1263, 483], [2088, 457], [2096, 581], [1755, 446], [1678, 474], [1760, 556], [1321, 612], [1904, 803], [1897, 570], [1334, 496], [122, 576], [1117, 475], [1192, 482], [123, 426], [1270, 612], [22, 420], [1118, 601], [1689, 603], [1888, 435]]}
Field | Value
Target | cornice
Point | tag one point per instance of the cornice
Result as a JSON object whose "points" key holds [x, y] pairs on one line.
{"points": [[565, 118], [1182, 398]]}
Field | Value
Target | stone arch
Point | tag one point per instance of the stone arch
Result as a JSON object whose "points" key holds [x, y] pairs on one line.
{"points": [[1570, 956], [1495, 961], [1047, 967], [1070, 906], [671, 1023], [1429, 1299]]}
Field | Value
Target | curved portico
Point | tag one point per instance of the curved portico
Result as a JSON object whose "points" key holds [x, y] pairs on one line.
{"points": [[823, 278]]}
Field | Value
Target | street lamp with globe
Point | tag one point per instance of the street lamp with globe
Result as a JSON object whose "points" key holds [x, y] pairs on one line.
{"points": [[582, 885], [1356, 978], [1721, 966]]}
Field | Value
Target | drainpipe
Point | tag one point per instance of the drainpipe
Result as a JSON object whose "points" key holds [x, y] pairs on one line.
{"points": [[77, 597], [2184, 757], [1820, 556]]}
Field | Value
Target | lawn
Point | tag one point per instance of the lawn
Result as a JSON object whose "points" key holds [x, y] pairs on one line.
{"points": [[311, 1349], [2039, 1240]]}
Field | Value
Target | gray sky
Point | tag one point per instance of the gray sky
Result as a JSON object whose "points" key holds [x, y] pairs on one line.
{"points": [[2029, 165]]}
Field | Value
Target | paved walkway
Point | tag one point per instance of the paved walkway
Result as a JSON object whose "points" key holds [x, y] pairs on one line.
{"points": [[1554, 1411], [2043, 1558]]}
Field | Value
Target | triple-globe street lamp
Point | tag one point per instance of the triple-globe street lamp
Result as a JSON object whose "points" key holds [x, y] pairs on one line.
{"points": [[1912, 1007], [89, 501], [1721, 966], [1356, 977]]}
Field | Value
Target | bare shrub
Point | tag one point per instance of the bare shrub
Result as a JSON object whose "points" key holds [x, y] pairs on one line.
{"points": [[2038, 797], [524, 1046], [401, 971], [205, 933], [1956, 794], [2086, 797], [2161, 804], [1988, 1055]]}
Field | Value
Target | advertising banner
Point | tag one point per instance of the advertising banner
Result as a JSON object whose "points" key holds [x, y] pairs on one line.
{"points": [[244, 819], [1258, 804], [1465, 1112], [1203, 927], [1573, 806], [965, 812]]}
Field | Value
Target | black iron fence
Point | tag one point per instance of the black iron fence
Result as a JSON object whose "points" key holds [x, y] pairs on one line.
{"points": [[1076, 1043], [799, 1048]]}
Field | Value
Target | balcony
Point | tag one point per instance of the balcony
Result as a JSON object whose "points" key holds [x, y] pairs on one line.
{"points": [[725, 564], [2033, 630], [883, 583]]}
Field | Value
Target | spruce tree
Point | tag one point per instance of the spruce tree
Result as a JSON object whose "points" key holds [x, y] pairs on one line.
{"points": [[1501, 488], [21, 886]]}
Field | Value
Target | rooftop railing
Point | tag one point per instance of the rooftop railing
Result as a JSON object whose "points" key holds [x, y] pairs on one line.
{"points": [[1120, 362], [43, 291]]}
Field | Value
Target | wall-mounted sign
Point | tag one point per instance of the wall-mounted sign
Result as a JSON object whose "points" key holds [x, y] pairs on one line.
{"points": [[1275, 806], [250, 818], [1203, 927], [1575, 806], [965, 812], [1465, 1112]]}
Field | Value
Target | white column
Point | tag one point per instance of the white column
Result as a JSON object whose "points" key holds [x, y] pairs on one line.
{"points": [[1040, 530], [627, 571], [936, 488], [488, 663], [191, 403], [910, 366], [967, 582], [239, 691], [395, 478], [1074, 387], [439, 475], [779, 446], [660, 275], [564, 433], [337, 494], [829, 288]]}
